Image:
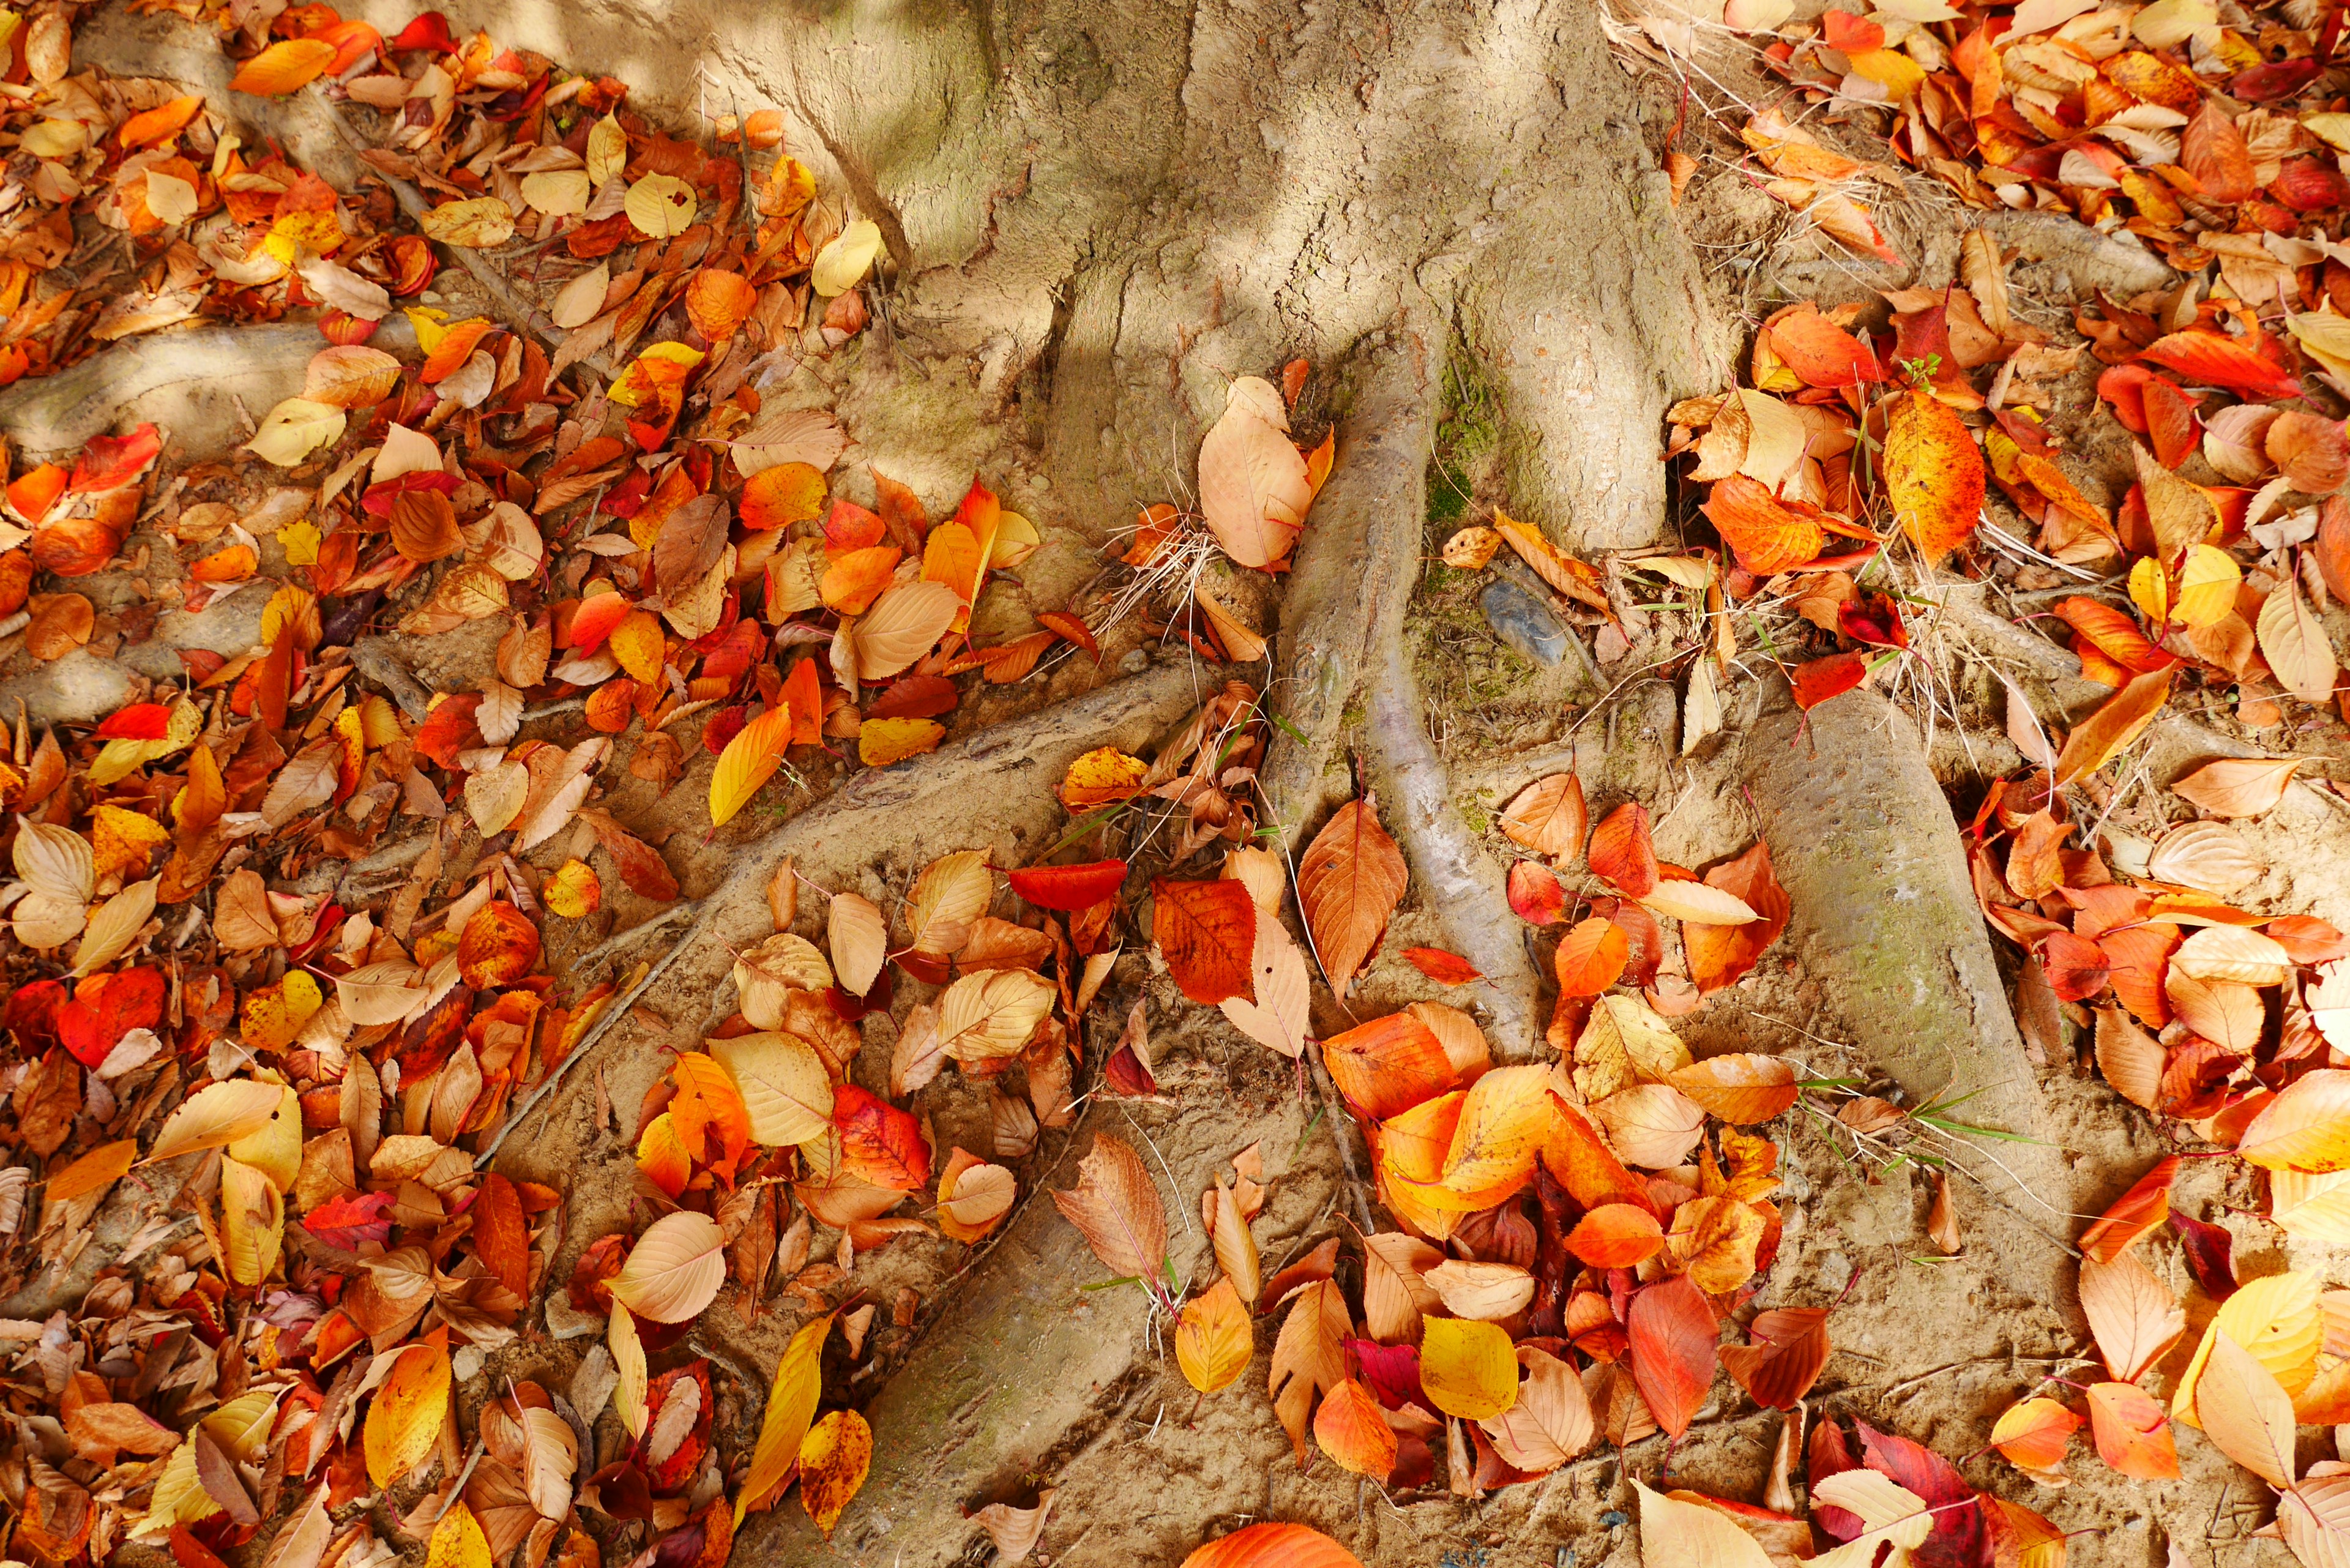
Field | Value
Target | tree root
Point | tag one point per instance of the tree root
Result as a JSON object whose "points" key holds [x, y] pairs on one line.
{"points": [[1885, 921], [1362, 553]]}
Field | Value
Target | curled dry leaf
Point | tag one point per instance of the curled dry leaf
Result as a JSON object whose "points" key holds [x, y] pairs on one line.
{"points": [[1253, 489]]}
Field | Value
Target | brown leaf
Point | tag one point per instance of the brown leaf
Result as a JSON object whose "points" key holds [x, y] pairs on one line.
{"points": [[1116, 1208], [1253, 489], [1350, 881], [425, 527], [691, 540], [2130, 1058]]}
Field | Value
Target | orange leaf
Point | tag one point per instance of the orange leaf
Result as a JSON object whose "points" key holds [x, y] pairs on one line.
{"points": [[2132, 1433], [2033, 1434], [1791, 1347], [1548, 817], [1350, 881], [1744, 1087], [1721, 955], [1213, 1339], [456, 346], [2305, 1128], [749, 760], [661, 1155], [2114, 724], [284, 67], [1616, 1236], [1273, 1546], [833, 1458], [1207, 933], [882, 743], [1253, 486], [1933, 473], [1387, 1066], [498, 947], [1592, 957], [2136, 1212], [1818, 350], [718, 302], [2115, 635], [1621, 851], [1353, 1430], [1764, 534], [1443, 967], [853, 581], [159, 125], [712, 1121], [1674, 1344]]}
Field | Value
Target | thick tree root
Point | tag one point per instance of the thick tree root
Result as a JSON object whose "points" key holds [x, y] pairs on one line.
{"points": [[1885, 921]]}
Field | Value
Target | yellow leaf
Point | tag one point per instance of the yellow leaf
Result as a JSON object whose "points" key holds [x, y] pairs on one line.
{"points": [[791, 1403], [301, 540], [573, 892], [274, 1014], [629, 1357], [477, 223], [252, 1220], [293, 429], [834, 1458], [217, 1116], [608, 149], [275, 1149], [749, 760], [883, 741], [1933, 469], [124, 839], [458, 1540], [638, 643], [785, 1091], [1101, 777], [2149, 589], [403, 1423], [2277, 1319], [660, 205], [841, 265], [1212, 1339], [1468, 1369], [2208, 580], [284, 67]]}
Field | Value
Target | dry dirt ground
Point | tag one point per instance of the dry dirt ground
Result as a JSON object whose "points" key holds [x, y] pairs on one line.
{"points": [[1930, 1346]]}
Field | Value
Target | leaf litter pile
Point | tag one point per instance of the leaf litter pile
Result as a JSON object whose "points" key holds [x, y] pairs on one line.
{"points": [[290, 1349]]}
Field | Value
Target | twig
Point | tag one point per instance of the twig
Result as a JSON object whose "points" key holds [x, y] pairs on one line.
{"points": [[613, 1014]]}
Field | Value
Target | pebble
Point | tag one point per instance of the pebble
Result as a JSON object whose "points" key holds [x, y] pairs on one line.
{"points": [[1135, 663], [1522, 622]]}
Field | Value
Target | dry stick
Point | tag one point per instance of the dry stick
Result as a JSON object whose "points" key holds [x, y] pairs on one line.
{"points": [[613, 1014]]}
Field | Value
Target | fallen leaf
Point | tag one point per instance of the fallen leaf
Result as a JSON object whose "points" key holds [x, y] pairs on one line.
{"points": [[1350, 881]]}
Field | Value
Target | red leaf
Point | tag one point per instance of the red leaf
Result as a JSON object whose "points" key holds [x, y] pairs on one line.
{"points": [[2076, 966], [1622, 852], [110, 462], [1834, 676], [1443, 967], [1851, 34], [1956, 1541], [1535, 894], [2307, 939], [2213, 359], [500, 1236], [2210, 1253], [1207, 931], [1068, 888], [909, 697], [2115, 635], [139, 722], [428, 31], [351, 1218], [449, 729], [1675, 1346]]}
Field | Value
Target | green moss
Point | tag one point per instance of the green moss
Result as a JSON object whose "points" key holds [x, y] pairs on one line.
{"points": [[1474, 814], [1465, 436]]}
